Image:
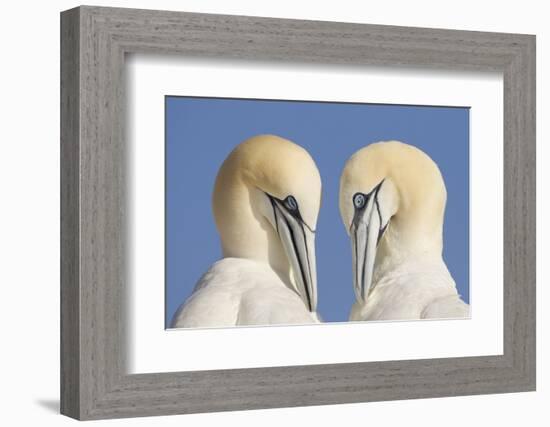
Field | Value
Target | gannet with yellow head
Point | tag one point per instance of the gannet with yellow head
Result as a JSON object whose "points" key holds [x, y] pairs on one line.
{"points": [[392, 203], [266, 200]]}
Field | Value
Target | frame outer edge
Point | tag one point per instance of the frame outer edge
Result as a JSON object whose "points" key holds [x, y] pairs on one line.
{"points": [[92, 39], [532, 137], [528, 169], [70, 396], [520, 216]]}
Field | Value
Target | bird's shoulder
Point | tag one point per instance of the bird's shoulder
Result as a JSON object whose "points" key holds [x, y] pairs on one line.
{"points": [[236, 272], [234, 288], [274, 305], [422, 279], [404, 292], [450, 306], [216, 298], [208, 307], [263, 297]]}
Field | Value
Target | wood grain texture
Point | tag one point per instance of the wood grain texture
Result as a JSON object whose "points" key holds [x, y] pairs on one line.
{"points": [[94, 382], [70, 220]]}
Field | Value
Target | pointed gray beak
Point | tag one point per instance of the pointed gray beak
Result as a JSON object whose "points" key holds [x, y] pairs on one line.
{"points": [[298, 241], [365, 233]]}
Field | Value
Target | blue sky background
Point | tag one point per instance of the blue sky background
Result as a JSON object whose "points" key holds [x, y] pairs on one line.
{"points": [[201, 132]]}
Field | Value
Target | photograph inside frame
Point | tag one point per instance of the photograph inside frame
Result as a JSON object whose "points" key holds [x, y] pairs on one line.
{"points": [[285, 212]]}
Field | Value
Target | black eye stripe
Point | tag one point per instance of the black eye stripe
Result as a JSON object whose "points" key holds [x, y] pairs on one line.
{"points": [[281, 205], [291, 204], [360, 200]]}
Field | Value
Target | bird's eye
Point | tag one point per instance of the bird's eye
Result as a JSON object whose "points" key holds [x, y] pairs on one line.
{"points": [[291, 204], [359, 200]]}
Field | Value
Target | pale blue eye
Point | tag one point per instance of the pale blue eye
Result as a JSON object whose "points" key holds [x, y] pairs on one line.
{"points": [[291, 204], [359, 200]]}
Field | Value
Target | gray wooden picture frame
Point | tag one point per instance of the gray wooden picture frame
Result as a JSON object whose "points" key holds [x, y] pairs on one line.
{"points": [[94, 41]]}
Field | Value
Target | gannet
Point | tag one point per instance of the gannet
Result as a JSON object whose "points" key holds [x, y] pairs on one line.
{"points": [[265, 202], [392, 202]]}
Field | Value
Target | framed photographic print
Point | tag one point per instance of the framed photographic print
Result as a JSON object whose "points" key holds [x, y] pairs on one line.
{"points": [[262, 213], [194, 152]]}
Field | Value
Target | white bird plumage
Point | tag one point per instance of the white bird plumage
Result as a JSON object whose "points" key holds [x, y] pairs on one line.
{"points": [[237, 291], [265, 202], [392, 202]]}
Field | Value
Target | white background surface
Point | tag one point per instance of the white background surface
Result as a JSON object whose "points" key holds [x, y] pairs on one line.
{"points": [[29, 212], [152, 349]]}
